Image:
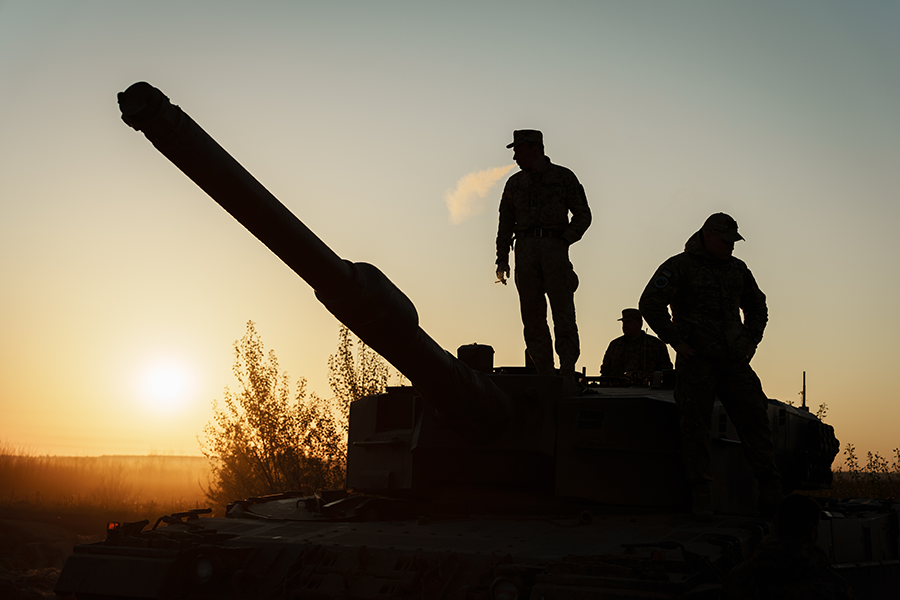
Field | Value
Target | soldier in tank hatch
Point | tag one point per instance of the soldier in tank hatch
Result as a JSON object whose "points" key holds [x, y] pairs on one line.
{"points": [[534, 215], [635, 351], [707, 289]]}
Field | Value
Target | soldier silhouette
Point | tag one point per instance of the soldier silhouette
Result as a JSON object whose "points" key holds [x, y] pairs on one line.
{"points": [[534, 215], [717, 320], [635, 351]]}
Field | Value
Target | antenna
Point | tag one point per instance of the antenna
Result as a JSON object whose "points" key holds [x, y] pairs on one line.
{"points": [[803, 393]]}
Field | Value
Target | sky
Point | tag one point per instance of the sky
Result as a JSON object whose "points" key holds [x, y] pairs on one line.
{"points": [[124, 286]]}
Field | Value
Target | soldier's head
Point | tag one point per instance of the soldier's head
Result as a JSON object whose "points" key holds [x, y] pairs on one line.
{"points": [[720, 232], [632, 322], [798, 516], [528, 149]]}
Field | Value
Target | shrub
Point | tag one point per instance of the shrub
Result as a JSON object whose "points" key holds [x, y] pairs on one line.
{"points": [[261, 442]]}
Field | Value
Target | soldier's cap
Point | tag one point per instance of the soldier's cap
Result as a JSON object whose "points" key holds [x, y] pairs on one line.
{"points": [[631, 314], [526, 136], [724, 225]]}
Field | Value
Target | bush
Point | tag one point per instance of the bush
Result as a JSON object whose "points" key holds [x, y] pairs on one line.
{"points": [[876, 479], [260, 442]]}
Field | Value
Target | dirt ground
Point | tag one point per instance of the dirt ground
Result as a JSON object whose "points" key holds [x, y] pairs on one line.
{"points": [[33, 548]]}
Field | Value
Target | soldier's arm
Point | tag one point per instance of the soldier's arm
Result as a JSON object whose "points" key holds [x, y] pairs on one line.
{"points": [[606, 365], [576, 201], [664, 361], [505, 227], [655, 301], [753, 304]]}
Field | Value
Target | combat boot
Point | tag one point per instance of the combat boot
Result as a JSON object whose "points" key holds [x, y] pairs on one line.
{"points": [[701, 502], [770, 495]]}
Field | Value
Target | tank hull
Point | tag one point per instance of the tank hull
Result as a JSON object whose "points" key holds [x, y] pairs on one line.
{"points": [[367, 547], [566, 556]]}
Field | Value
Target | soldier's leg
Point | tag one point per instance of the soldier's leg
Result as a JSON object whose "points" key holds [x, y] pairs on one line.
{"points": [[533, 305], [695, 393], [561, 282], [742, 396]]}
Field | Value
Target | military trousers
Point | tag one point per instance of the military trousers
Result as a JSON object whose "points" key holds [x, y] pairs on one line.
{"points": [[543, 271], [698, 382]]}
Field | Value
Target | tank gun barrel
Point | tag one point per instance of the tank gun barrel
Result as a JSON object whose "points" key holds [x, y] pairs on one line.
{"points": [[358, 294], [211, 167]]}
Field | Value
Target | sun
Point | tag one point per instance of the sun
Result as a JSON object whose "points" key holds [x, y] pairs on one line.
{"points": [[166, 383], [165, 386]]}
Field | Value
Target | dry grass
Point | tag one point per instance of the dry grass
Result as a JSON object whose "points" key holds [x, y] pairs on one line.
{"points": [[120, 488], [875, 479]]}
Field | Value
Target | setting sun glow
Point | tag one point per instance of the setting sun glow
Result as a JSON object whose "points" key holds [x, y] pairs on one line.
{"points": [[165, 386]]}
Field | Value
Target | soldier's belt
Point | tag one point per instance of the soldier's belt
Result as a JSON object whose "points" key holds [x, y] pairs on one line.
{"points": [[539, 232]]}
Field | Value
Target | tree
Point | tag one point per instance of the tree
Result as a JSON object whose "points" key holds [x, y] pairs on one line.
{"points": [[353, 377], [260, 442]]}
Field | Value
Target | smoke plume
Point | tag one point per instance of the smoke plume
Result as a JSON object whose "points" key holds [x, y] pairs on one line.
{"points": [[467, 199]]}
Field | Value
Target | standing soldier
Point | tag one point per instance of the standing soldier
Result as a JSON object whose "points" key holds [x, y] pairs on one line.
{"points": [[708, 289], [636, 351], [534, 211]]}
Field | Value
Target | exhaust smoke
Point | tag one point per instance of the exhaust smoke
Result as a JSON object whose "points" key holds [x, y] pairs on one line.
{"points": [[466, 199]]}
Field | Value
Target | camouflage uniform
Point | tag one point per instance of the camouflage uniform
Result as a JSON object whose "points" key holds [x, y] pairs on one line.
{"points": [[535, 209], [707, 296], [646, 354], [784, 568]]}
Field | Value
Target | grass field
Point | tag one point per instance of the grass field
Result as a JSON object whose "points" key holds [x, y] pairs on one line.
{"points": [[120, 488]]}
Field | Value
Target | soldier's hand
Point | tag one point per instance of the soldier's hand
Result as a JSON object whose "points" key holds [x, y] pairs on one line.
{"points": [[502, 274], [751, 352], [685, 349]]}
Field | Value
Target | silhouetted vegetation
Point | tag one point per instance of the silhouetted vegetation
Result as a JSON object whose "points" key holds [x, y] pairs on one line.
{"points": [[261, 441], [354, 375], [875, 479]]}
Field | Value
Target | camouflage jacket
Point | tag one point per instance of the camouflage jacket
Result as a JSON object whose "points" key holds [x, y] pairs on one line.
{"points": [[543, 200], [645, 354], [784, 568], [707, 296]]}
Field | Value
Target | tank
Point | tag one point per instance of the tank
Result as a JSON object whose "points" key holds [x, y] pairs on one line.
{"points": [[475, 482]]}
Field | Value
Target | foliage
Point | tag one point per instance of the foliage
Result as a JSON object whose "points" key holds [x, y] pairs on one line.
{"points": [[352, 378], [261, 442], [876, 479]]}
